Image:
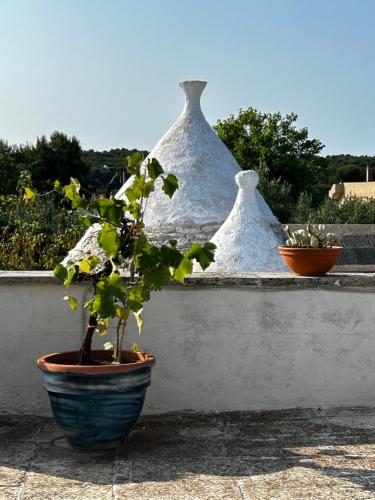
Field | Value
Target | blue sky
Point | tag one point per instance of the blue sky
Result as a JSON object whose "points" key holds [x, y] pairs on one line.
{"points": [[108, 71]]}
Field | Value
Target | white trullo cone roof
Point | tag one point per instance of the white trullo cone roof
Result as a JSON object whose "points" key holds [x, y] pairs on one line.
{"points": [[247, 241], [205, 169]]}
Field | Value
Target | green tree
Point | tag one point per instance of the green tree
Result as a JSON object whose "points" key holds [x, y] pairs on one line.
{"points": [[277, 192], [349, 173], [59, 157], [282, 154], [8, 169], [106, 171]]}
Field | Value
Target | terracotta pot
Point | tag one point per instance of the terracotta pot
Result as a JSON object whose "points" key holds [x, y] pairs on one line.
{"points": [[96, 406], [310, 261]]}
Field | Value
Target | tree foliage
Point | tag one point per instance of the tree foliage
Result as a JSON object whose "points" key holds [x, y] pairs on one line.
{"points": [[9, 170], [282, 154], [288, 161], [59, 156], [348, 168], [106, 171], [348, 173], [273, 139], [278, 193]]}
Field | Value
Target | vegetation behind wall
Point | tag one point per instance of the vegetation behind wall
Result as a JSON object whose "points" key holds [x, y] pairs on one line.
{"points": [[35, 234], [294, 179]]}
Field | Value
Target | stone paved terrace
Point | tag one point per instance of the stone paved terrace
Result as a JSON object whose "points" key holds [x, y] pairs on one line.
{"points": [[297, 454]]}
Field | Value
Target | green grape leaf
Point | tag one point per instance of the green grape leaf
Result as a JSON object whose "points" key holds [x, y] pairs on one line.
{"points": [[87, 218], [71, 274], [209, 245], [157, 277], [137, 295], [170, 184], [88, 264], [71, 192], [29, 195], [154, 169], [148, 188], [108, 239], [133, 162], [170, 256], [207, 255], [122, 312], [135, 191], [194, 251], [148, 258], [185, 268], [109, 291], [72, 301], [109, 209], [60, 272], [135, 209]]}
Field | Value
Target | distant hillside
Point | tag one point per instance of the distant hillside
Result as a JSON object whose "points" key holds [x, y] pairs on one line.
{"points": [[105, 169], [104, 165], [348, 168]]}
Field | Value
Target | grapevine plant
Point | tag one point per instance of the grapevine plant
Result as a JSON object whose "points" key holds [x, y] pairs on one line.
{"points": [[120, 280]]}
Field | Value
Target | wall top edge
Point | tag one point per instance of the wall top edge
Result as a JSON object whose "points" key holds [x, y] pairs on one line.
{"points": [[221, 280], [342, 229]]}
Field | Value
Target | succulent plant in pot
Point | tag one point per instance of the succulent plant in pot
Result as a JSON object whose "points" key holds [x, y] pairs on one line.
{"points": [[311, 251], [97, 396]]}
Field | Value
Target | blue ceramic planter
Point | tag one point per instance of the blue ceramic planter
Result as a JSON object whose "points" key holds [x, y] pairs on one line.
{"points": [[98, 405]]}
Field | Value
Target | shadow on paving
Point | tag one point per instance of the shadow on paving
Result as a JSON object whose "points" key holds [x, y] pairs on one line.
{"points": [[304, 446]]}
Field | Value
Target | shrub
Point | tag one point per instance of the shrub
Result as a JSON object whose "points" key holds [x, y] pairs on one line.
{"points": [[37, 234], [350, 211]]}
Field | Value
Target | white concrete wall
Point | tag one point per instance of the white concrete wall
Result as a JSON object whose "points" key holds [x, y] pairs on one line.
{"points": [[242, 348]]}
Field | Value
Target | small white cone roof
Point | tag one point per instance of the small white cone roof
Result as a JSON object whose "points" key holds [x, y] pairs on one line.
{"points": [[248, 240]]}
